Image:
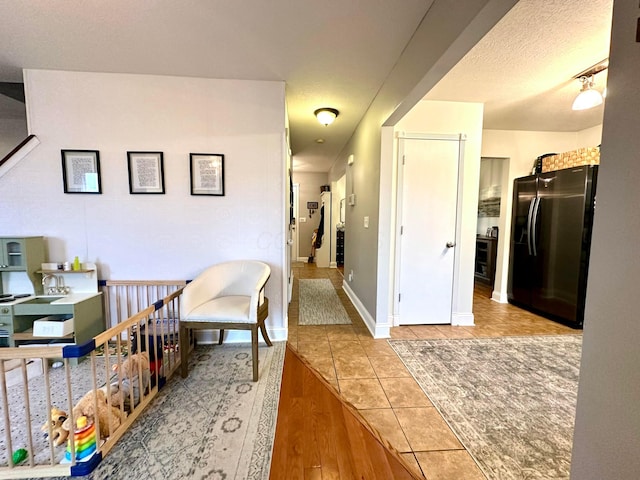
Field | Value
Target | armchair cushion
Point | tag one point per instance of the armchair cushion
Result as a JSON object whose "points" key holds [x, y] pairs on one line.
{"points": [[233, 308]]}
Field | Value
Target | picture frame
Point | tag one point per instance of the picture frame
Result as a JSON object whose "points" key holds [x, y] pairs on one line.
{"points": [[81, 171], [207, 173], [146, 172]]}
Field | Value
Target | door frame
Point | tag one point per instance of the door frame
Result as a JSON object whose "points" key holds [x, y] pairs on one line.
{"points": [[400, 137]]}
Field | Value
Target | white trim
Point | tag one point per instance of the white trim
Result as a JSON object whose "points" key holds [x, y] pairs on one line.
{"points": [[431, 136], [333, 264], [19, 155], [303, 259], [462, 319], [499, 297], [376, 329]]}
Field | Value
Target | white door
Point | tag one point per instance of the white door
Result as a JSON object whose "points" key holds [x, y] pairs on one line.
{"points": [[428, 194]]}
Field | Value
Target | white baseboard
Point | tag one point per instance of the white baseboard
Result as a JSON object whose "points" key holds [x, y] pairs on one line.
{"points": [[376, 330], [462, 319], [207, 337], [333, 265], [499, 297], [303, 259]]}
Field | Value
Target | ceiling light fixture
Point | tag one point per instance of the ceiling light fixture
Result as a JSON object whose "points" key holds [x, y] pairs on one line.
{"points": [[326, 116], [588, 96]]}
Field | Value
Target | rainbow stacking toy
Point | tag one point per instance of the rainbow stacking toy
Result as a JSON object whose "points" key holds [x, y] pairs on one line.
{"points": [[84, 440]]}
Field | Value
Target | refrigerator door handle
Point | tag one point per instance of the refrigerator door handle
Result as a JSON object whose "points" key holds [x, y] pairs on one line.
{"points": [[531, 205], [536, 210]]}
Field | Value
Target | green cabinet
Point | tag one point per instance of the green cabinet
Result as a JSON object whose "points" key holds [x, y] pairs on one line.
{"points": [[6, 327], [86, 309], [23, 254]]}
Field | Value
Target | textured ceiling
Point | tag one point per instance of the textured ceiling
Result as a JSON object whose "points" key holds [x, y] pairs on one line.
{"points": [[332, 53], [523, 69]]}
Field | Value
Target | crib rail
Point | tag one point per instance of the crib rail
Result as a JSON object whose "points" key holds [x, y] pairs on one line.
{"points": [[28, 393], [123, 298]]}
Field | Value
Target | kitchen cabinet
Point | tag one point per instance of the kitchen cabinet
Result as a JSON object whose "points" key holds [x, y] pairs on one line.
{"points": [[86, 309], [485, 263], [6, 326], [22, 254]]}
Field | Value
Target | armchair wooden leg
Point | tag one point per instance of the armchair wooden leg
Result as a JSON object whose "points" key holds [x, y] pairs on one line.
{"points": [[221, 337], [254, 351], [265, 335], [184, 351]]}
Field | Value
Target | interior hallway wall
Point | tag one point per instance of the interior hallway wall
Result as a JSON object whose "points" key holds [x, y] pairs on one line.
{"points": [[444, 36], [170, 236], [310, 184]]}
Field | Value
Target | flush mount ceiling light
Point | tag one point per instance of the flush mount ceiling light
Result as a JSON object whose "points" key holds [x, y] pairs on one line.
{"points": [[588, 96], [326, 116]]}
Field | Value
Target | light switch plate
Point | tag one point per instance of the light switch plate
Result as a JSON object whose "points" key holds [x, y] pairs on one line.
{"points": [[366, 222]]}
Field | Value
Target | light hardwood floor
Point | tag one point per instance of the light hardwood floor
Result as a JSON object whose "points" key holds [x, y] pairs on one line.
{"points": [[369, 375]]}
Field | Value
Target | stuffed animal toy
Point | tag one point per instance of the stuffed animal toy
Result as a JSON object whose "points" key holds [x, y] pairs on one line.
{"points": [[58, 434], [108, 417], [128, 380]]}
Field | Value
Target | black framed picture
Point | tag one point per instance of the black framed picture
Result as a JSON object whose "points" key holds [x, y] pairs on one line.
{"points": [[207, 173], [81, 171], [146, 172]]}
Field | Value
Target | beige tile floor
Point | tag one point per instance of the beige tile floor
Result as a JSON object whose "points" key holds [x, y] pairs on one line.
{"points": [[368, 374]]}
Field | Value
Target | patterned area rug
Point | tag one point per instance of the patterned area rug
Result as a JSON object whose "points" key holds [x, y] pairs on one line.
{"points": [[320, 304], [216, 424], [511, 400]]}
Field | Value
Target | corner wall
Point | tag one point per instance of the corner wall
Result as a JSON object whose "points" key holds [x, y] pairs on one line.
{"points": [[170, 236], [606, 440]]}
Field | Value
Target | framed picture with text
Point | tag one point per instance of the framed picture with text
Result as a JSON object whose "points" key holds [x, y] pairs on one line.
{"points": [[146, 172], [81, 171], [207, 173]]}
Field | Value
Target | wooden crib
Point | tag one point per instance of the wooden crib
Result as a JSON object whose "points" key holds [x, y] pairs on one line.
{"points": [[142, 316]]}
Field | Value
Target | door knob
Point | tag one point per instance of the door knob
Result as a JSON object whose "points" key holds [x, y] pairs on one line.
{"points": [[451, 244]]}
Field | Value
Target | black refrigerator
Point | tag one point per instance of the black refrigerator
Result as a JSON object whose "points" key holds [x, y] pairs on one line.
{"points": [[551, 241]]}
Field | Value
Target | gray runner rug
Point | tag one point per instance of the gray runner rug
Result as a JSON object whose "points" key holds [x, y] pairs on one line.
{"points": [[320, 304], [511, 401], [216, 424]]}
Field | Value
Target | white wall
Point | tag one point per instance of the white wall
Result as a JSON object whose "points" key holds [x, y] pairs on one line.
{"points": [[521, 148], [606, 437], [171, 236]]}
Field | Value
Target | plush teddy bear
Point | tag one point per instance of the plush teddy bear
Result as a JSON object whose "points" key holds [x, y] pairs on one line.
{"points": [[58, 434], [129, 381], [108, 417]]}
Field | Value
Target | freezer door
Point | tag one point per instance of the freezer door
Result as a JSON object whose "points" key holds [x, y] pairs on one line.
{"points": [[557, 235], [520, 253]]}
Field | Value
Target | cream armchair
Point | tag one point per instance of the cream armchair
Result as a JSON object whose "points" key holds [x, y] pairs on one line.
{"points": [[227, 296]]}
